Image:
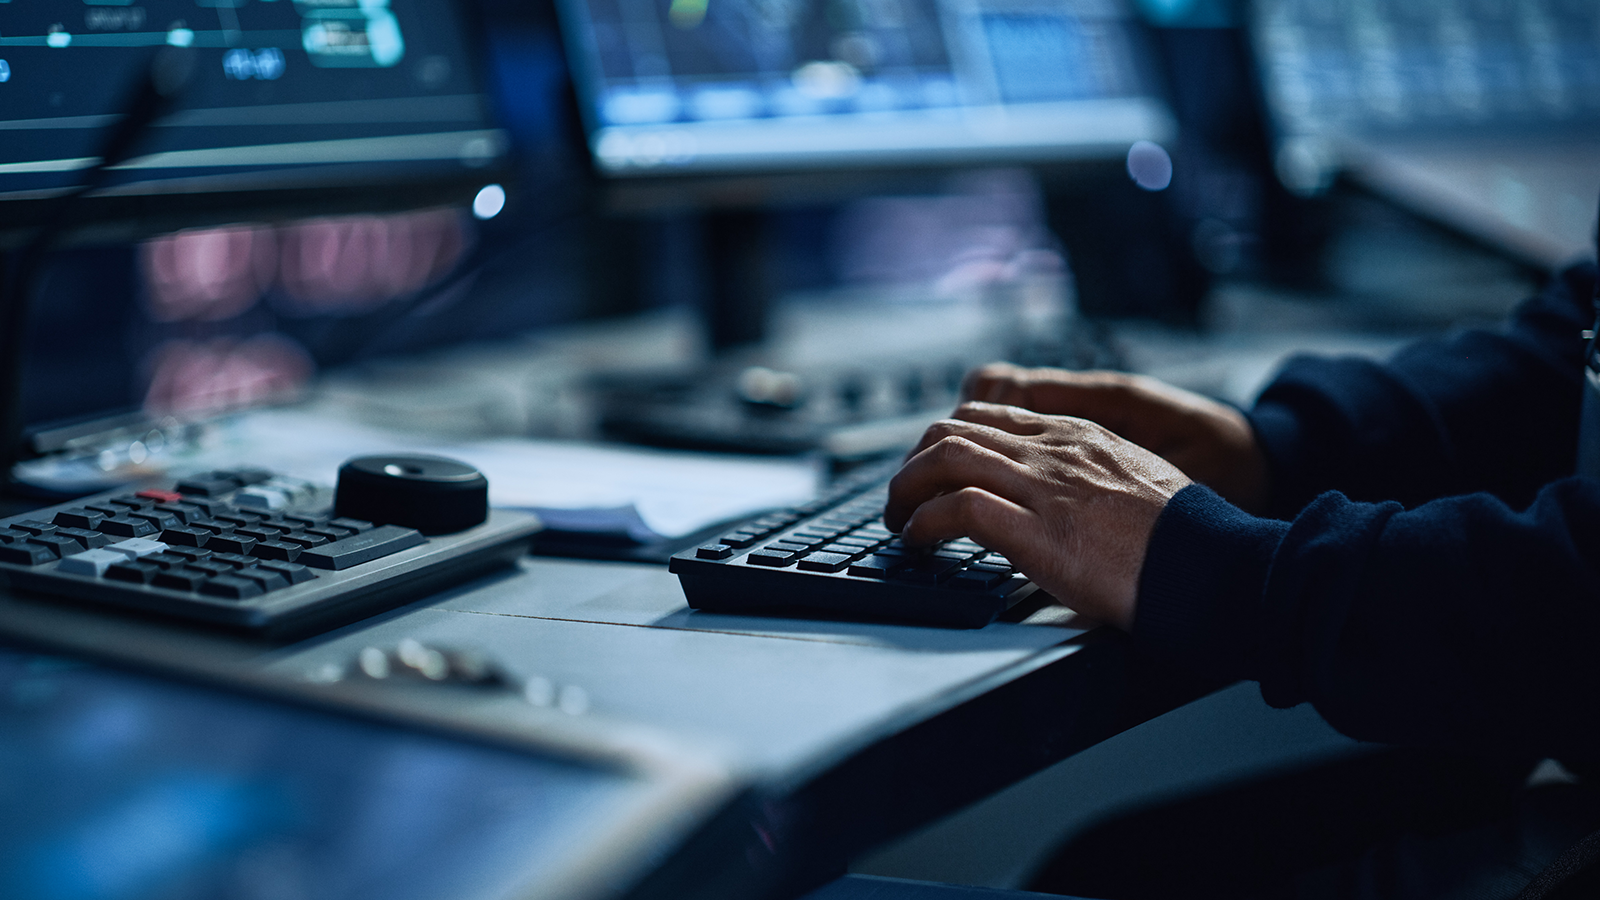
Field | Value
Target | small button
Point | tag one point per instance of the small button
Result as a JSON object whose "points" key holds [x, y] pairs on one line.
{"points": [[788, 546], [130, 502], [234, 560], [161, 496], [132, 571], [186, 537], [713, 551], [133, 548], [846, 549], [33, 527], [875, 566], [185, 513], [924, 570], [230, 543], [209, 569], [975, 580], [773, 558], [179, 580], [855, 541], [107, 509], [276, 550], [824, 562], [356, 525], [92, 563], [231, 587], [294, 572], [191, 554], [124, 526], [305, 539], [12, 536], [157, 518], [740, 538], [166, 560], [990, 568], [25, 554], [61, 546], [268, 579], [212, 526], [256, 534], [88, 540]]}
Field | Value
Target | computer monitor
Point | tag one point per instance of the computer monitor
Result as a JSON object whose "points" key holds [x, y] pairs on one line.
{"points": [[1483, 116], [278, 108], [691, 87]]}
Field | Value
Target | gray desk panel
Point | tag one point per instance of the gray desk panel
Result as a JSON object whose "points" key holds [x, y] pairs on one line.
{"points": [[778, 695]]}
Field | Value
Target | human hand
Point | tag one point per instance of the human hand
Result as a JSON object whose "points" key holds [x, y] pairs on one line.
{"points": [[1210, 441], [1071, 504]]}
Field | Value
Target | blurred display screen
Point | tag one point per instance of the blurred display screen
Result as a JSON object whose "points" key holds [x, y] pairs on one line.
{"points": [[1387, 66], [710, 85], [278, 93], [125, 786]]}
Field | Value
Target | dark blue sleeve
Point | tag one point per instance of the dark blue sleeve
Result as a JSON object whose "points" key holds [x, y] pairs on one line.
{"points": [[1461, 622], [1478, 411]]}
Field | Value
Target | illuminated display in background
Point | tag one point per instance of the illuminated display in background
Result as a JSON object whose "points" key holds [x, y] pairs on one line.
{"points": [[282, 92], [707, 85]]}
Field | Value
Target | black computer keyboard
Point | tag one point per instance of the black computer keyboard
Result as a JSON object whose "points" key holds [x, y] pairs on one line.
{"points": [[834, 556], [242, 549]]}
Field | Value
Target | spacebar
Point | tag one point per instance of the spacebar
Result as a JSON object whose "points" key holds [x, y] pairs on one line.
{"points": [[364, 547]]}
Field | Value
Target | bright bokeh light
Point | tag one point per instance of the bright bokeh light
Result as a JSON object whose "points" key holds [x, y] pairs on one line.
{"points": [[489, 201], [1149, 166]]}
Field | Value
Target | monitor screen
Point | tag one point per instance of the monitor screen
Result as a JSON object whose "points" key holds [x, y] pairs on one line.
{"points": [[694, 87], [126, 785], [318, 100]]}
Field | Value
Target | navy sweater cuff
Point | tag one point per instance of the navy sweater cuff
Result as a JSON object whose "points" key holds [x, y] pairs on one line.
{"points": [[1200, 592]]}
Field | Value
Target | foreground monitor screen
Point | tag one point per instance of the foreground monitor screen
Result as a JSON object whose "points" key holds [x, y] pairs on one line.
{"points": [[693, 87], [125, 785], [315, 96]]}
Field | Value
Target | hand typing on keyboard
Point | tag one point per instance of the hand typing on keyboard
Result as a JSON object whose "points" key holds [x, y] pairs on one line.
{"points": [[1067, 501], [1210, 441]]}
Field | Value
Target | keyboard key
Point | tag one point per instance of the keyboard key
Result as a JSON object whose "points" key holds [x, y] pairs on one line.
{"points": [[231, 587], [211, 525], [209, 569], [25, 554], [257, 534], [136, 572], [824, 562], [356, 525], [306, 539], [92, 563], [294, 572], [109, 510], [160, 496], [965, 546], [852, 540], [788, 546], [123, 526], [184, 512], [741, 538], [189, 553], [713, 551], [179, 580], [13, 536], [922, 570], [280, 524], [230, 543], [846, 549], [131, 502], [88, 540], [875, 566], [773, 558], [975, 580], [33, 527], [58, 544], [159, 519], [234, 518], [246, 476], [276, 550], [233, 560], [268, 579], [812, 536], [134, 548], [186, 537], [990, 568], [952, 555], [166, 560], [351, 551]]}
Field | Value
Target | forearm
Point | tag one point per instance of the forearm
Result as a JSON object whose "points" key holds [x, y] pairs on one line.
{"points": [[1478, 411], [1459, 623]]}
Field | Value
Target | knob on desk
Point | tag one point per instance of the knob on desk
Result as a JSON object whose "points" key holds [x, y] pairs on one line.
{"points": [[432, 494]]}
